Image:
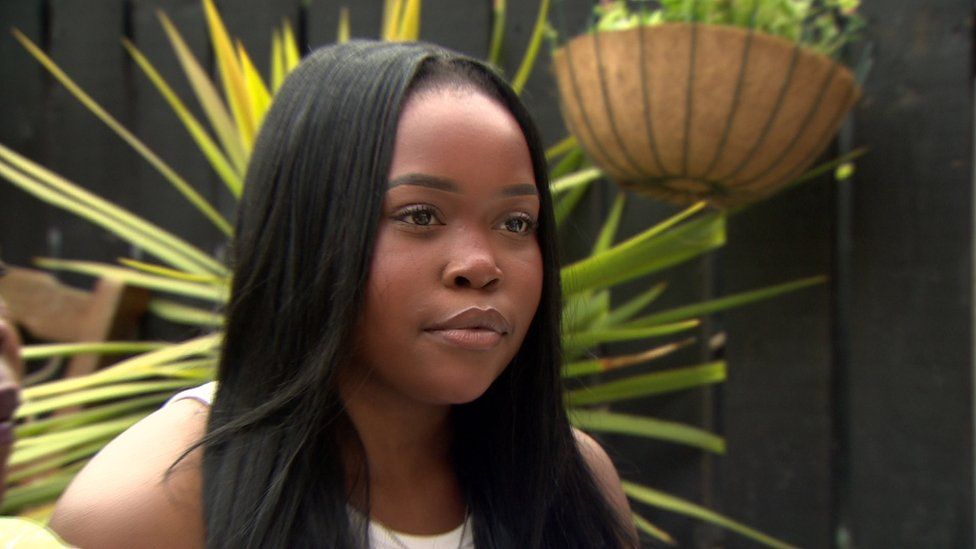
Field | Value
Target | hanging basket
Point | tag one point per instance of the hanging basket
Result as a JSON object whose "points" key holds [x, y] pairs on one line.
{"points": [[685, 112]]}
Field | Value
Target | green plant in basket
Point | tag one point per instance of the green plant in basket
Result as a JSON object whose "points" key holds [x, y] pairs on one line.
{"points": [[824, 26], [65, 422], [724, 101]]}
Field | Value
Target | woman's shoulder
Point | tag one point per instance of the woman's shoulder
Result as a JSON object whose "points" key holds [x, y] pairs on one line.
{"points": [[605, 474], [129, 491]]}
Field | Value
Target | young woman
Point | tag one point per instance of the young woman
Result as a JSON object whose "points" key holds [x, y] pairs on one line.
{"points": [[390, 372]]}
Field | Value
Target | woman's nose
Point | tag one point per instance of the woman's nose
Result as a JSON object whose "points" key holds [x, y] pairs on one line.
{"points": [[473, 265]]}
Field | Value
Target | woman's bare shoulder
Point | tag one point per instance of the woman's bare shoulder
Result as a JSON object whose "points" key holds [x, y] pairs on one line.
{"points": [[606, 477], [127, 496]]}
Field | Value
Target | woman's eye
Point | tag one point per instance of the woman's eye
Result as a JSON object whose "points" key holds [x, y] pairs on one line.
{"points": [[519, 224], [421, 216]]}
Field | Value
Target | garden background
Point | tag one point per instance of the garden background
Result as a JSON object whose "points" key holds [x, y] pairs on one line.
{"points": [[848, 412]]}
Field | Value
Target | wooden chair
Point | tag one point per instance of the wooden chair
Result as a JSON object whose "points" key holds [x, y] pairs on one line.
{"points": [[48, 310]]}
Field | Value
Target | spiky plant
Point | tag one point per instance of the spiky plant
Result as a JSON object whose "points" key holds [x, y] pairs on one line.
{"points": [[64, 422]]}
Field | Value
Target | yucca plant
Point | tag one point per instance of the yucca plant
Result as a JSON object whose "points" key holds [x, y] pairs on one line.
{"points": [[64, 422]]}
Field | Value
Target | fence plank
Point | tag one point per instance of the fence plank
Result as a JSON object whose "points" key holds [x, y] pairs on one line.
{"points": [[84, 40], [22, 217], [911, 386], [776, 405]]}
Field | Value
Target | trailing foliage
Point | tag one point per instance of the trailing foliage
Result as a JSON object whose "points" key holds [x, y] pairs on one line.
{"points": [[823, 26]]}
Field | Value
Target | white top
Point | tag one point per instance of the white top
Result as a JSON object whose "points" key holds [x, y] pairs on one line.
{"points": [[380, 537]]}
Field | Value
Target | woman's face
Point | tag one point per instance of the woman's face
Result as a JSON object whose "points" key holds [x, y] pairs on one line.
{"points": [[456, 274]]}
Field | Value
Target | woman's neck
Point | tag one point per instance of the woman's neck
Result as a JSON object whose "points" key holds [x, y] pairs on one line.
{"points": [[412, 484]]}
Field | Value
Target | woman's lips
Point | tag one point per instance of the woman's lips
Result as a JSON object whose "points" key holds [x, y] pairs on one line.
{"points": [[473, 328]]}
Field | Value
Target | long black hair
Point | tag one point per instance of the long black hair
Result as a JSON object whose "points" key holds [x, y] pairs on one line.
{"points": [[273, 471]]}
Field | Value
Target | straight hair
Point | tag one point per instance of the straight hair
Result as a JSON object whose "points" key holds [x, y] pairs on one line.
{"points": [[274, 471]]}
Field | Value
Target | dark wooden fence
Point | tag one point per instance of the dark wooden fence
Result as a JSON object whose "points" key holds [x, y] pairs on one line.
{"points": [[849, 409]]}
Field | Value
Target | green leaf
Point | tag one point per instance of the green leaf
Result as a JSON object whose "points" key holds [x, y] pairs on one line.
{"points": [[569, 163], [164, 169], [626, 311], [532, 50], [582, 310], [724, 303], [497, 32], [668, 502], [610, 225], [231, 177], [576, 342], [88, 416], [169, 273], [47, 350], [648, 384], [58, 191], [644, 526], [567, 145], [604, 364], [581, 177], [209, 99], [58, 461], [210, 292], [567, 202], [129, 368], [42, 490], [611, 422], [231, 76], [97, 394], [645, 253], [184, 314], [42, 446]]}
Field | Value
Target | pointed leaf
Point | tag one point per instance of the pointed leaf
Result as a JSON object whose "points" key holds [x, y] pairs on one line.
{"points": [[724, 303], [207, 146], [210, 101], [565, 146], [130, 368], [644, 526], [231, 75], [532, 50], [88, 416], [605, 364], [164, 169], [668, 502], [343, 32], [257, 92], [40, 491], [577, 342], [290, 46], [59, 460], [582, 310], [96, 394], [648, 427], [42, 446], [567, 202], [209, 292], [169, 273], [184, 314], [648, 384], [645, 253], [48, 350], [277, 62], [497, 32], [610, 225], [626, 311], [582, 177], [57, 191]]}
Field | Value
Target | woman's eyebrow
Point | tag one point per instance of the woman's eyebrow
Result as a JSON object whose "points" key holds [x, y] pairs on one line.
{"points": [[424, 180], [445, 184]]}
